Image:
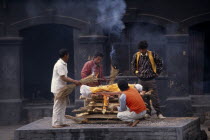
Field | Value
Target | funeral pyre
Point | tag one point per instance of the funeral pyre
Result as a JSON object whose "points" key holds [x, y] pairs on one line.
{"points": [[100, 104], [99, 108]]}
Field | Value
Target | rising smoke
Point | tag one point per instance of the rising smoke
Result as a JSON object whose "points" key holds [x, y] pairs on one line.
{"points": [[110, 14], [104, 13]]}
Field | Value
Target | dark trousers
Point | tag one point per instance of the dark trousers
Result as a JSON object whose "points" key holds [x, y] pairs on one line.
{"points": [[151, 85]]}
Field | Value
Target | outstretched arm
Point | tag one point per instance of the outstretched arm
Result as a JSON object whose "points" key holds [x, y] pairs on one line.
{"points": [[68, 79]]}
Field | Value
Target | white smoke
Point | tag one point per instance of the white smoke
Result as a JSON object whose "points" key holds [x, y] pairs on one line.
{"points": [[102, 14], [110, 14]]}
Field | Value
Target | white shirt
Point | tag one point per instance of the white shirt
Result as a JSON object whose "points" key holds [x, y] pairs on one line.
{"points": [[144, 54], [60, 68]]}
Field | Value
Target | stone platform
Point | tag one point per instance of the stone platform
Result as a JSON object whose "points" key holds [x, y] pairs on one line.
{"points": [[184, 128]]}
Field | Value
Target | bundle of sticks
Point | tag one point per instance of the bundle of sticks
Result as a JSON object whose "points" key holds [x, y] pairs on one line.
{"points": [[68, 89], [113, 74]]}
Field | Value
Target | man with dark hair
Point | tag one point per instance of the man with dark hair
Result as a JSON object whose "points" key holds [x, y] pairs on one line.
{"points": [[147, 65], [59, 80], [98, 54], [131, 99], [94, 67]]}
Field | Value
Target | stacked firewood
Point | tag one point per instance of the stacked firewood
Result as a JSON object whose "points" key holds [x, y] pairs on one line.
{"points": [[100, 108]]}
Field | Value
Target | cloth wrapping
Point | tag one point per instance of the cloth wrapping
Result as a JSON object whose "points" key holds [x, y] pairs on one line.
{"points": [[87, 90]]}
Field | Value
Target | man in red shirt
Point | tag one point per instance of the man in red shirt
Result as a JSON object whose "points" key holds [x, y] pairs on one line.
{"points": [[94, 67], [131, 99]]}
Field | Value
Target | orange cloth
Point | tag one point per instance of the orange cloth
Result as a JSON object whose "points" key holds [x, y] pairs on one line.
{"points": [[134, 100], [108, 88]]}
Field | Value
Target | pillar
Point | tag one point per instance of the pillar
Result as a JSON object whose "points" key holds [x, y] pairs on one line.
{"points": [[10, 77], [178, 103]]}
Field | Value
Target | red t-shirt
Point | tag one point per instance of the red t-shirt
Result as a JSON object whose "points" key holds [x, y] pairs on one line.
{"points": [[91, 68]]}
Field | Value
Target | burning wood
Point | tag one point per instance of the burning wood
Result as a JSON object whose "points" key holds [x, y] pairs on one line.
{"points": [[100, 109]]}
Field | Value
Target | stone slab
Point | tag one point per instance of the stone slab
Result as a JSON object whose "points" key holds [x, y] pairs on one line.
{"points": [[183, 128]]}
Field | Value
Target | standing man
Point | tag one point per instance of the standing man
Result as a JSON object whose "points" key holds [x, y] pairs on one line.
{"points": [[130, 98], [94, 67], [147, 65], [59, 80]]}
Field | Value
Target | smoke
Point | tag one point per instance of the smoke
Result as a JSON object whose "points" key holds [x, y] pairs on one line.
{"points": [[103, 14], [114, 58], [110, 14], [152, 33]]}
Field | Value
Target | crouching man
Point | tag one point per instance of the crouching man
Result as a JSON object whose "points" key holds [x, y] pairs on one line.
{"points": [[132, 106]]}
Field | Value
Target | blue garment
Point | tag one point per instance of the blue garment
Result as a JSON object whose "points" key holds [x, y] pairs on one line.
{"points": [[122, 101]]}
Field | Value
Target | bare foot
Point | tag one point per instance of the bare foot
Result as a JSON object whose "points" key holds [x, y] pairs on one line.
{"points": [[135, 123], [65, 125], [57, 126]]}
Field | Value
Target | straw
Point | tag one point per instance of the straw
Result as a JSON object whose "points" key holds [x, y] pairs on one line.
{"points": [[68, 89]]}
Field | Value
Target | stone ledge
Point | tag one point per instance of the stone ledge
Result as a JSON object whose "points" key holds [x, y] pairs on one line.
{"points": [[91, 39], [10, 40], [153, 129]]}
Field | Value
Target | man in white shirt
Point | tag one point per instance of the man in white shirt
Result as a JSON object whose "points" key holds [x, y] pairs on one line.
{"points": [[59, 80]]}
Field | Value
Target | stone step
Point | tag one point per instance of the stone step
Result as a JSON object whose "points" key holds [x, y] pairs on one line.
{"points": [[200, 99], [201, 108], [155, 129]]}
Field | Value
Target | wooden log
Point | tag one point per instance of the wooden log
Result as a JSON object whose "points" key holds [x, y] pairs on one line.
{"points": [[101, 100], [95, 104], [97, 97], [101, 104], [77, 119], [82, 114], [100, 112], [106, 122], [82, 109], [100, 116], [97, 109]]}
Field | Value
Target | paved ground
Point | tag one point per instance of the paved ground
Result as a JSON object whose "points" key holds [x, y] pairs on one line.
{"points": [[170, 128], [7, 132], [173, 122]]}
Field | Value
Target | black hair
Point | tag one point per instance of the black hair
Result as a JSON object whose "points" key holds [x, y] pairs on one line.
{"points": [[143, 44], [123, 85], [63, 52], [98, 54]]}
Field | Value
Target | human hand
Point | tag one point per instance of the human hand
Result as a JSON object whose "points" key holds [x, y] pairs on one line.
{"points": [[142, 93], [77, 83]]}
